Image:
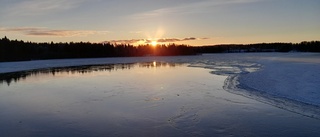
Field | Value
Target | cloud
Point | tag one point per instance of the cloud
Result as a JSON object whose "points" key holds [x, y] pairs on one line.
{"points": [[41, 31], [131, 41], [191, 38], [39, 7], [195, 7], [148, 41], [178, 40]]}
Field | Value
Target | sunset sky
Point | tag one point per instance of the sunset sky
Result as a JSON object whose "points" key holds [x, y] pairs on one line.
{"points": [[193, 22]]}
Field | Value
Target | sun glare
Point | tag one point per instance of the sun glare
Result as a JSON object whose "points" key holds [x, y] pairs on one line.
{"points": [[154, 43]]}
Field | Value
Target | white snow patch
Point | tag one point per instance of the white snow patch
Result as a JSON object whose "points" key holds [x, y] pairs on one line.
{"points": [[289, 81], [295, 77]]}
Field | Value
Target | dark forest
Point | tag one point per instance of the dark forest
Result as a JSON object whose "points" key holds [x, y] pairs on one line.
{"points": [[14, 50]]}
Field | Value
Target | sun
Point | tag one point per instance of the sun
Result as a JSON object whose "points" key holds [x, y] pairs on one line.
{"points": [[154, 43]]}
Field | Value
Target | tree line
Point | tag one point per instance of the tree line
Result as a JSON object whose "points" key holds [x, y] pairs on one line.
{"points": [[305, 46], [14, 50]]}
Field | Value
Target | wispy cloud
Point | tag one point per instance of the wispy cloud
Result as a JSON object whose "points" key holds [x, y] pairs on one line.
{"points": [[178, 40], [41, 31], [200, 6], [129, 41], [149, 41], [39, 7]]}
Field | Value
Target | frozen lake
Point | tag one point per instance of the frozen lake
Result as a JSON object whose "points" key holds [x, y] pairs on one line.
{"points": [[171, 96]]}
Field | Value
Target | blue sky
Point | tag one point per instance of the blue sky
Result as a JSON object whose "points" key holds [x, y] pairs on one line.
{"points": [[193, 22]]}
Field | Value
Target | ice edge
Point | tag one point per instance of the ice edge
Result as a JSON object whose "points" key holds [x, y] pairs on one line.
{"points": [[234, 86]]}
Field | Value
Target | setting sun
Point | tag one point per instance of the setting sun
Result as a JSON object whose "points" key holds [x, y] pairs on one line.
{"points": [[154, 43]]}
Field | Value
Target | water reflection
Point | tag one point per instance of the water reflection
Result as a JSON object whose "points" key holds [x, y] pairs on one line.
{"points": [[8, 78]]}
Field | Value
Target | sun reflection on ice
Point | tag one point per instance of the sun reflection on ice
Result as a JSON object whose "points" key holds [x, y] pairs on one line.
{"points": [[154, 64]]}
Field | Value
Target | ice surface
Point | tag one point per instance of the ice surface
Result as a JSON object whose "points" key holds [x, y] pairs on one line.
{"points": [[140, 99], [178, 101], [288, 78]]}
